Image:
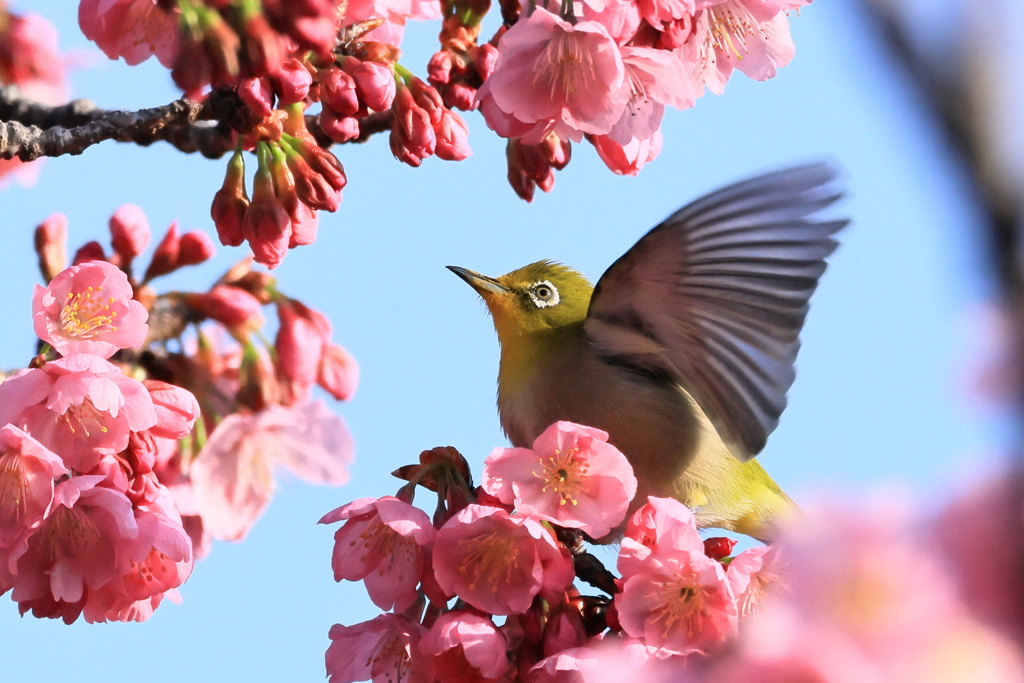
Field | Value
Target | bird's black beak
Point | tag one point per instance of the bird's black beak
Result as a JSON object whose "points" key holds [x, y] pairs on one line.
{"points": [[481, 283]]}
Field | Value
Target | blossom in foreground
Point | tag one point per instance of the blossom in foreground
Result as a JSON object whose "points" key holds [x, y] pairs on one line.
{"points": [[384, 542], [27, 472], [232, 476], [571, 477], [382, 650], [553, 76], [497, 562], [463, 645], [81, 407], [89, 309]]}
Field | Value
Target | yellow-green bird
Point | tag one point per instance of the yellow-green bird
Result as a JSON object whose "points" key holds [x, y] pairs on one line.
{"points": [[684, 350]]}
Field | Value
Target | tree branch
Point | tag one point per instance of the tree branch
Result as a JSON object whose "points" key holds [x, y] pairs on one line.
{"points": [[29, 130]]}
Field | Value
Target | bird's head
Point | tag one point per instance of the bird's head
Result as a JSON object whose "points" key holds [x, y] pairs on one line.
{"points": [[541, 296]]}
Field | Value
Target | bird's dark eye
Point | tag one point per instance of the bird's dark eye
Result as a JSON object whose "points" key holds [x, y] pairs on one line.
{"points": [[543, 294]]}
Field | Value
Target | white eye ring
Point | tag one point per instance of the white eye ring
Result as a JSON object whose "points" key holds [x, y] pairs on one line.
{"points": [[540, 298]]}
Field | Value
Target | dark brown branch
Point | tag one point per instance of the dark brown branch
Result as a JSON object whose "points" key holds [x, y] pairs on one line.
{"points": [[29, 130]]}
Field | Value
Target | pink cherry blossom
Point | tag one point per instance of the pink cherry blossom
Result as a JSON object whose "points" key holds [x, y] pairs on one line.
{"points": [[654, 78], [131, 29], [384, 543], [662, 525], [232, 476], [601, 661], [465, 647], [753, 575], [497, 562], [80, 407], [571, 477], [677, 601], [89, 309], [568, 78], [629, 158], [749, 35], [382, 650], [79, 543], [27, 472]]}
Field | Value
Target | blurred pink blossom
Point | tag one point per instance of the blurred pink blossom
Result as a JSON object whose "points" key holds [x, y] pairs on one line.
{"points": [[89, 309], [232, 475], [571, 477], [129, 232], [131, 29]]}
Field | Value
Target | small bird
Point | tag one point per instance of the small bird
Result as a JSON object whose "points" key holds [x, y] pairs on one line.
{"points": [[684, 350]]}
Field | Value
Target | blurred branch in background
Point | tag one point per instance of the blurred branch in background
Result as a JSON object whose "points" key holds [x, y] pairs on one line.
{"points": [[970, 88]]}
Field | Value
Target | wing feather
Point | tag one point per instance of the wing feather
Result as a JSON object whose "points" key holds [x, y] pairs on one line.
{"points": [[716, 295]]}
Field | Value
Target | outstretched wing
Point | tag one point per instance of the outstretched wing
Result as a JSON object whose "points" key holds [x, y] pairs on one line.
{"points": [[715, 297]]}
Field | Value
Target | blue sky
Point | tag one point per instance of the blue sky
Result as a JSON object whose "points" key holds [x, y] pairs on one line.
{"points": [[879, 398]]}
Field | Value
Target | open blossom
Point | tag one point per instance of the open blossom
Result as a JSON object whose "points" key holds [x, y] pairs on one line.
{"points": [[497, 562], [232, 476], [663, 524], [131, 29], [382, 650], [753, 575], [749, 35], [553, 76], [678, 601], [89, 309], [571, 477], [384, 542], [465, 646], [79, 543], [610, 660], [80, 407], [27, 472]]}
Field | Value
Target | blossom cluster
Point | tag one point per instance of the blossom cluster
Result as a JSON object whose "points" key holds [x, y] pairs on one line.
{"points": [[121, 459], [484, 591], [553, 74]]}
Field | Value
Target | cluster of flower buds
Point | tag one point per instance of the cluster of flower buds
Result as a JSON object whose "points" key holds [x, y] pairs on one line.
{"points": [[351, 89], [680, 609], [294, 179], [461, 66], [533, 166], [423, 125], [97, 438]]}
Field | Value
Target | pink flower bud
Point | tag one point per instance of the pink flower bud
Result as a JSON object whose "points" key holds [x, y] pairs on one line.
{"points": [[129, 232], [439, 68], [231, 306], [486, 58], [51, 245], [304, 226], [427, 97], [375, 83], [339, 128], [452, 137], [412, 134], [176, 409], [461, 96], [256, 94], [195, 247], [338, 372], [267, 226], [301, 337], [563, 630], [263, 47], [321, 161], [90, 251], [719, 547], [284, 180], [230, 204], [292, 83], [165, 258], [338, 92]]}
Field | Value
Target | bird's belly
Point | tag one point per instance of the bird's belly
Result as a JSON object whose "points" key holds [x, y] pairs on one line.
{"points": [[653, 422]]}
